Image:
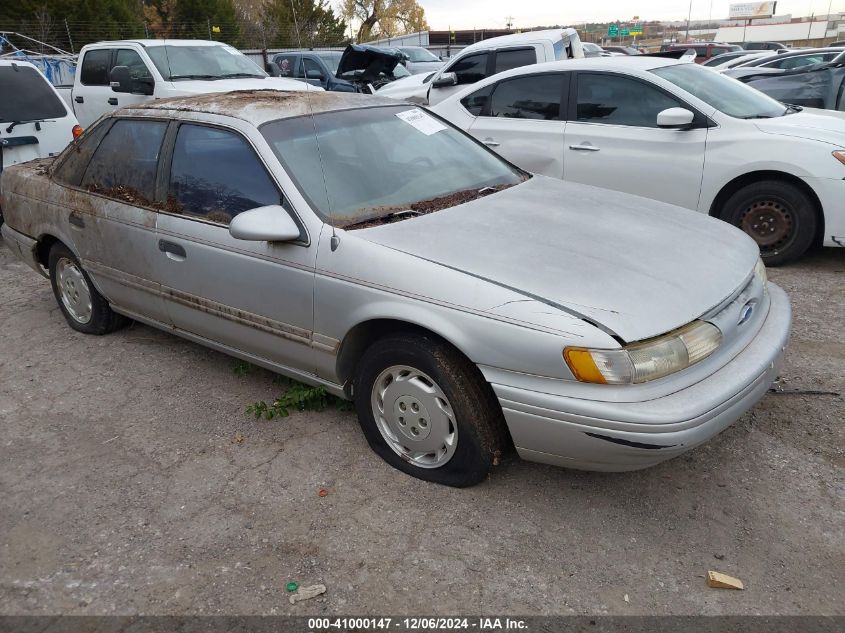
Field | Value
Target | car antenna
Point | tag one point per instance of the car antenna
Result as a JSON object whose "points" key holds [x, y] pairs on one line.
{"points": [[167, 59], [335, 240]]}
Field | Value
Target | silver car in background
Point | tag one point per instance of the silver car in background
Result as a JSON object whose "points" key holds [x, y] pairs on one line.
{"points": [[370, 247]]}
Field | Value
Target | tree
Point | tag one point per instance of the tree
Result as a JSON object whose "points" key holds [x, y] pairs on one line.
{"points": [[306, 23], [384, 18], [200, 19]]}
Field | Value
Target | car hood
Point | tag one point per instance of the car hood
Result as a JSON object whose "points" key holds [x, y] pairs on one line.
{"points": [[361, 57], [827, 126], [198, 86], [634, 267], [406, 84]]}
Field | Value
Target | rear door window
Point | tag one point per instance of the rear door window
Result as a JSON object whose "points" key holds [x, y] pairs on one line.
{"points": [[514, 58], [124, 165], [215, 174], [471, 68], [25, 95], [95, 68], [532, 97]]}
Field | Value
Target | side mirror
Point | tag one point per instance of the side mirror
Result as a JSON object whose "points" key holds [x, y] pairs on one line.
{"points": [[264, 224], [120, 79], [675, 119], [446, 79], [273, 69], [314, 74]]}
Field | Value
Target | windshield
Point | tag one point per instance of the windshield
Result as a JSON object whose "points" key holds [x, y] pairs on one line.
{"points": [[202, 62], [27, 96], [727, 95], [383, 161], [419, 55], [331, 59]]}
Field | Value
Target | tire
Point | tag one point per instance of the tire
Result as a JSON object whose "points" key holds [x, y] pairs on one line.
{"points": [[83, 307], [777, 215], [446, 398]]}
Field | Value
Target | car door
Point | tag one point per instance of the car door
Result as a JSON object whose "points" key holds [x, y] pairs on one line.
{"points": [[468, 69], [522, 119], [113, 223], [313, 72], [612, 140], [137, 70], [92, 94], [256, 297], [288, 64]]}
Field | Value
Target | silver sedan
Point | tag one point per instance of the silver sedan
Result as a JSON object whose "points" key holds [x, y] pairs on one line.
{"points": [[465, 305]]}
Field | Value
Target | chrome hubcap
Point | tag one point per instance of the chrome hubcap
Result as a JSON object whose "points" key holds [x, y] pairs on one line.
{"points": [[414, 416], [74, 291]]}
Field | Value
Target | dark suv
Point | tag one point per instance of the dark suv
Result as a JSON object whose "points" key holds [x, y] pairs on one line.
{"points": [[703, 50], [314, 67]]}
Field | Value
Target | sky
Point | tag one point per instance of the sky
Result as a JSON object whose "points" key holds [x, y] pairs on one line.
{"points": [[468, 14]]}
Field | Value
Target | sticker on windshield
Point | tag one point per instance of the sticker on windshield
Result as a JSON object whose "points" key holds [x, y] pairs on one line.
{"points": [[426, 124]]}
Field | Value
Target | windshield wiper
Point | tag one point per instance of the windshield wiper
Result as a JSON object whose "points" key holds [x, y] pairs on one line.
{"points": [[383, 219], [172, 77], [14, 124], [237, 75], [757, 116]]}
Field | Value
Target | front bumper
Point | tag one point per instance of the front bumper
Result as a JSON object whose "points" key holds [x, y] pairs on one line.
{"points": [[544, 429]]}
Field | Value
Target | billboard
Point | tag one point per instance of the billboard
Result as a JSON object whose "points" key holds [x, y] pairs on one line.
{"points": [[751, 10]]}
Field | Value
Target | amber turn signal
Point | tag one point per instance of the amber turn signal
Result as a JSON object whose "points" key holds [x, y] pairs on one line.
{"points": [[77, 131]]}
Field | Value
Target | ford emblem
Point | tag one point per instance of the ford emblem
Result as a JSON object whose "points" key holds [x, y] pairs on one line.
{"points": [[745, 313]]}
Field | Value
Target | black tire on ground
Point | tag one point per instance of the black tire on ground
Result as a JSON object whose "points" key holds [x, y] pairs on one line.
{"points": [[102, 318], [777, 215], [481, 429]]}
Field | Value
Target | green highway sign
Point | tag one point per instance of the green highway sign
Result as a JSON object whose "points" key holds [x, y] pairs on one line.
{"points": [[613, 30], [625, 32]]}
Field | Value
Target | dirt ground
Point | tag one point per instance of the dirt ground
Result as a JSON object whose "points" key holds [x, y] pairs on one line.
{"points": [[125, 489]]}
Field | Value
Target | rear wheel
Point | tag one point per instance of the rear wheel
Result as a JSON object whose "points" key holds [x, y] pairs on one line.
{"points": [[777, 215], [85, 309], [426, 410]]}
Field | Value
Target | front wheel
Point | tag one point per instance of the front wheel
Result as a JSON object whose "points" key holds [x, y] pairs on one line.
{"points": [[777, 215], [426, 410]]}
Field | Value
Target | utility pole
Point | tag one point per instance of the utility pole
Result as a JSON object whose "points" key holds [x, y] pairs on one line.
{"points": [[509, 22], [209, 27], [689, 17]]}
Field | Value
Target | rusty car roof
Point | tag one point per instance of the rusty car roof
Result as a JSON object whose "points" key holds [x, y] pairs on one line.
{"points": [[260, 106]]}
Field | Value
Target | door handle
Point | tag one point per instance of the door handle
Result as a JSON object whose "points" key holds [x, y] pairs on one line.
{"points": [[584, 148], [76, 220], [491, 143], [172, 250], [79, 99], [112, 100]]}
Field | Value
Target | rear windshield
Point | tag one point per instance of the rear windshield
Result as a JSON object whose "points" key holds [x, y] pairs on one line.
{"points": [[25, 95]]}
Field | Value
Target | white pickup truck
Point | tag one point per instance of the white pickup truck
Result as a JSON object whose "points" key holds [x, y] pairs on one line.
{"points": [[111, 75], [482, 59]]}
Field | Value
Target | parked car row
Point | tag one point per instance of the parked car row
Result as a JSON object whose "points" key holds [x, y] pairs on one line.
{"points": [[673, 132]]}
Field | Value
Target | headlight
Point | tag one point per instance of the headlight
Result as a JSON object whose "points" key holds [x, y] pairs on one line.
{"points": [[649, 360], [840, 156], [760, 272]]}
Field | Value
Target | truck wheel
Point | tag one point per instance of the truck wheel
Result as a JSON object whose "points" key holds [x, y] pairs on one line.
{"points": [[84, 308], [427, 411], [780, 217]]}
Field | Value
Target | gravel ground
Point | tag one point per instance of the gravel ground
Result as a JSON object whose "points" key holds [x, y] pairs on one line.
{"points": [[133, 482]]}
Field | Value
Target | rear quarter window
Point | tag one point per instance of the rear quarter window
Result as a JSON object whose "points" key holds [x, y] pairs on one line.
{"points": [[25, 95]]}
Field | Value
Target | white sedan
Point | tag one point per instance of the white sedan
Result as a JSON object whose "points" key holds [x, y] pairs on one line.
{"points": [[674, 132]]}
